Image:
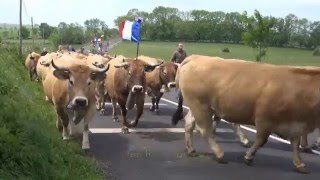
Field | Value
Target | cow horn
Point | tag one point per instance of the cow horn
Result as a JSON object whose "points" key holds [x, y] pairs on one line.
{"points": [[158, 64], [101, 66], [177, 64], [104, 70], [58, 68], [44, 63]]}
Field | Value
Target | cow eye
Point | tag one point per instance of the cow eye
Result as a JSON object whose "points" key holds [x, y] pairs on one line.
{"points": [[89, 83], [71, 82]]}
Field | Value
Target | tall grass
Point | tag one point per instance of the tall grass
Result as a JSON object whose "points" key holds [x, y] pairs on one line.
{"points": [[30, 145]]}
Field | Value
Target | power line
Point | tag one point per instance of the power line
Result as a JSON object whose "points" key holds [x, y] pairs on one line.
{"points": [[25, 9]]}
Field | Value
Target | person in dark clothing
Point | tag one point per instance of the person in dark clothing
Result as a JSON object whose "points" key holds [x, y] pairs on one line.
{"points": [[179, 55]]}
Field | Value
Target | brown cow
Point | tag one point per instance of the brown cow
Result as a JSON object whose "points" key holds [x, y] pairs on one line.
{"points": [[126, 85], [73, 88], [276, 99], [31, 64], [163, 75]]}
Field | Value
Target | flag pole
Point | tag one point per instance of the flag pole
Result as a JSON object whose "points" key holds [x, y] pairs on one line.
{"points": [[137, 50]]}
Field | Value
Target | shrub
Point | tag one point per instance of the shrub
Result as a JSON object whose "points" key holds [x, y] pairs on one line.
{"points": [[316, 51], [226, 50]]}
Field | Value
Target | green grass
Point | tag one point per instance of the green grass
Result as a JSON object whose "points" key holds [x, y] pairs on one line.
{"points": [[30, 145], [165, 50]]}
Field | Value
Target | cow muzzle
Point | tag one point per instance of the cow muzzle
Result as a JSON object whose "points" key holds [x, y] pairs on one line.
{"points": [[137, 89], [171, 85], [80, 102]]}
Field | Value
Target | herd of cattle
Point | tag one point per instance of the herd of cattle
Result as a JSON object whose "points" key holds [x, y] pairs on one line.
{"points": [[284, 100]]}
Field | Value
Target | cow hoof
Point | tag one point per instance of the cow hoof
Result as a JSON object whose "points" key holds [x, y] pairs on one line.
{"points": [[47, 99], [133, 123], [115, 119], [66, 138], [152, 109], [221, 160], [102, 112], [87, 152], [246, 145], [306, 149], [191, 153], [248, 162], [156, 111], [302, 170], [125, 130]]}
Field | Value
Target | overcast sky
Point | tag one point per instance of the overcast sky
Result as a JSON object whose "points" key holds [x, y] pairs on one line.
{"points": [[55, 11]]}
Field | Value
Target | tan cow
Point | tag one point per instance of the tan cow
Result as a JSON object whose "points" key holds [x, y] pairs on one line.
{"points": [[276, 99], [98, 61], [126, 85], [44, 64], [73, 88], [31, 64]]}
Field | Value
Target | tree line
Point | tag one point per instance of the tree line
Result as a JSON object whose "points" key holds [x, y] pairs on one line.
{"points": [[64, 33], [171, 24]]}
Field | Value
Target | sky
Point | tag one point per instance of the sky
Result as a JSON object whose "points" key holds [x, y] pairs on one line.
{"points": [[70, 11]]}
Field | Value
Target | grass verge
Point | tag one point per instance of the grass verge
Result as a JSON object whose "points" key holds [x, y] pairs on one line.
{"points": [[30, 145]]}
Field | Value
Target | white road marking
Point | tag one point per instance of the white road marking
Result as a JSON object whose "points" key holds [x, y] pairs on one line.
{"points": [[244, 127], [150, 130]]}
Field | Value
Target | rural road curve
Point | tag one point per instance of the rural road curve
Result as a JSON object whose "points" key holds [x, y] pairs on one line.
{"points": [[155, 150]]}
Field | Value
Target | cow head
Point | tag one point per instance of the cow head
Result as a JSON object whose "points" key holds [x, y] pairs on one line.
{"points": [[80, 86], [135, 70], [168, 73]]}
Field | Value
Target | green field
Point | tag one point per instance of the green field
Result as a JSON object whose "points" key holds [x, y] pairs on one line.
{"points": [[165, 50]]}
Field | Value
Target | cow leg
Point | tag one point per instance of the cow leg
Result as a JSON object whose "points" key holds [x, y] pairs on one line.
{"points": [[189, 127], [114, 110], [243, 138], [203, 118], [157, 101], [140, 106], [304, 144], [298, 164], [59, 124], [85, 135], [124, 128], [153, 100], [65, 122], [103, 105], [262, 135]]}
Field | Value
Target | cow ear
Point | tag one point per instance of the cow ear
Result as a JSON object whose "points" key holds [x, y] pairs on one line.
{"points": [[99, 76], [61, 74], [149, 68]]}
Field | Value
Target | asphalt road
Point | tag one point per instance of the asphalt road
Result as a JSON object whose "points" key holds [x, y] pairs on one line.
{"points": [[155, 150]]}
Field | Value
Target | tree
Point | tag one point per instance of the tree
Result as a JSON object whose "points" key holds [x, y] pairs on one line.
{"points": [[258, 33], [315, 34], [25, 32], [45, 30]]}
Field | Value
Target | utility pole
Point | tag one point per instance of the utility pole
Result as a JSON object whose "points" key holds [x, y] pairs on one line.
{"points": [[20, 35], [32, 34], [44, 39]]}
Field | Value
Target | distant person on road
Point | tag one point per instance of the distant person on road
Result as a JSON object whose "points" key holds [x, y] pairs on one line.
{"points": [[179, 55]]}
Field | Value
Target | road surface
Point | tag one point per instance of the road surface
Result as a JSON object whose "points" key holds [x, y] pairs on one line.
{"points": [[155, 150]]}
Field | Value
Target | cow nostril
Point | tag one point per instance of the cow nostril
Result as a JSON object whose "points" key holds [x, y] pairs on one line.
{"points": [[81, 102]]}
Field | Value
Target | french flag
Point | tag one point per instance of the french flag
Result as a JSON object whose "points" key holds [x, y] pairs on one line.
{"points": [[131, 30]]}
